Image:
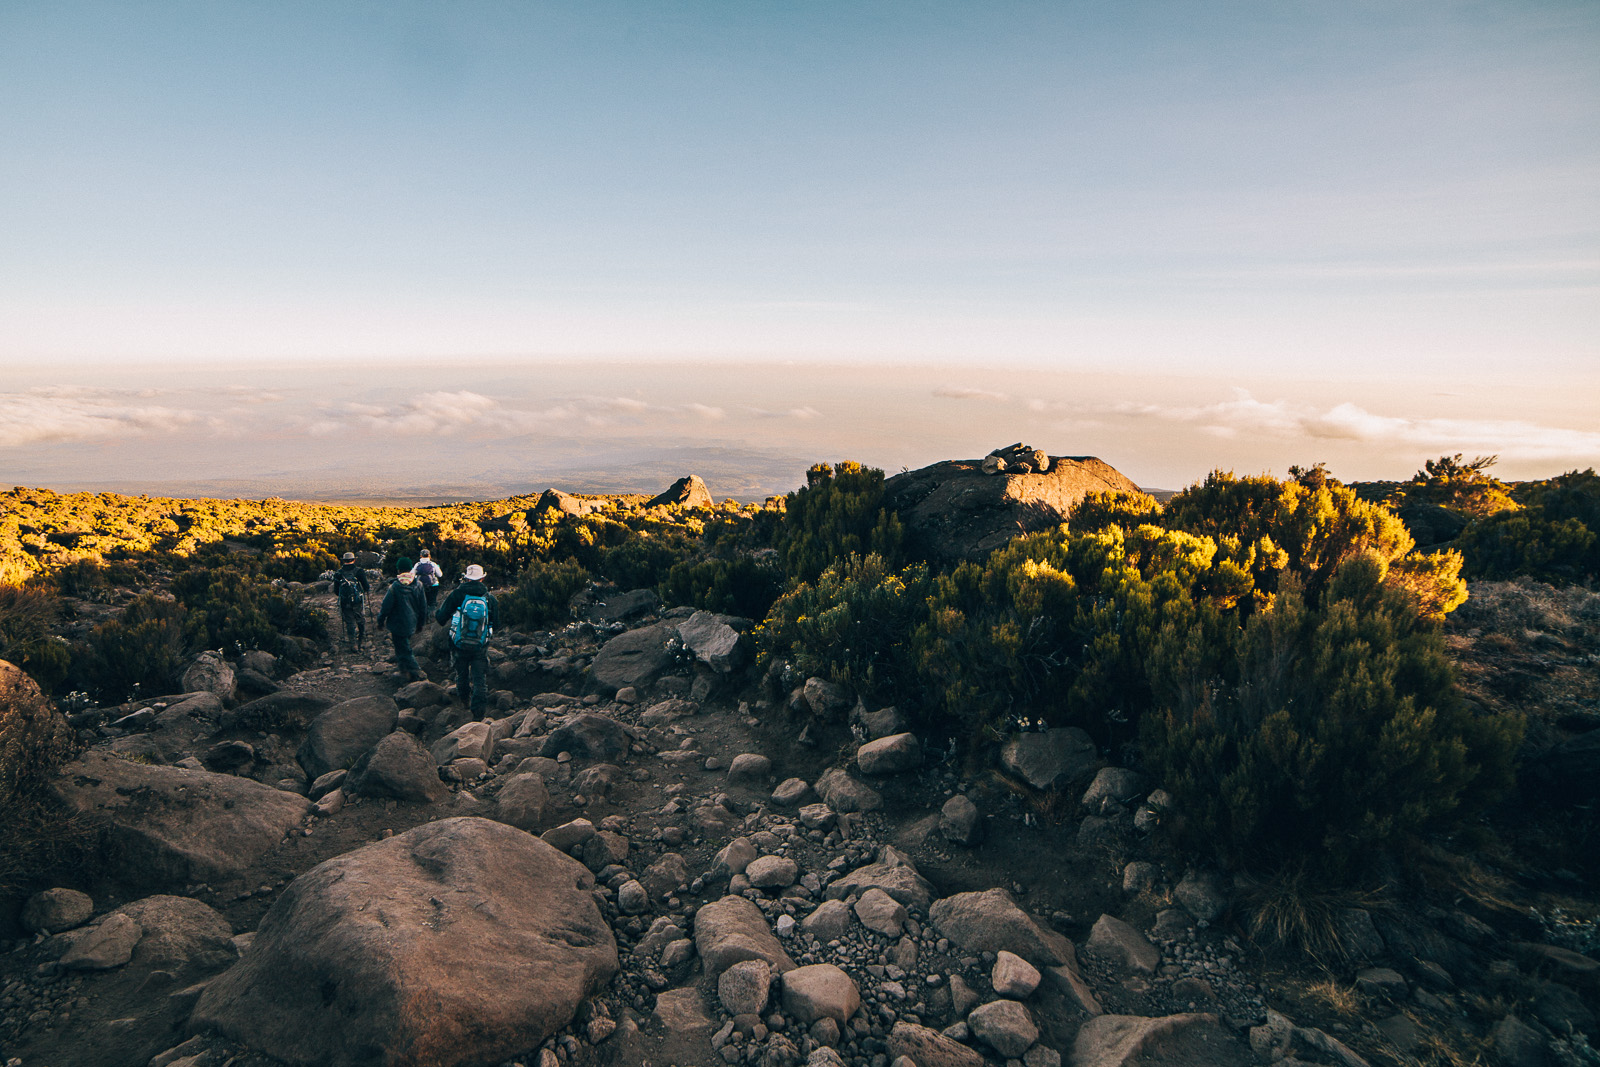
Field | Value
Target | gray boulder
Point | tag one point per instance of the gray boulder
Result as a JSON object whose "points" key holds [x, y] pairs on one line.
{"points": [[522, 802], [890, 755], [591, 736], [462, 941], [284, 710], [1137, 1041], [399, 767], [635, 658], [55, 910], [1054, 759], [339, 736], [171, 825], [732, 929], [845, 794], [991, 921], [210, 673], [712, 641]]}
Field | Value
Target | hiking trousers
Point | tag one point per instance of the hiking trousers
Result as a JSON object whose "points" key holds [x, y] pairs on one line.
{"points": [[472, 676], [355, 623], [403, 656]]}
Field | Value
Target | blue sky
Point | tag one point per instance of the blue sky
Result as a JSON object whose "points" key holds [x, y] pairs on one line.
{"points": [[1344, 198]]}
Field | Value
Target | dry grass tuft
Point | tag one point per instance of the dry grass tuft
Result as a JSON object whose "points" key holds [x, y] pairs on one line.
{"points": [[1296, 913]]}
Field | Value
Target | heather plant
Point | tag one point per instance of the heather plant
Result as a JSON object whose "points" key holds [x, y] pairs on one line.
{"points": [[28, 620], [543, 594], [853, 625], [1333, 732], [34, 740], [746, 585], [1555, 537], [142, 649], [1097, 511], [839, 512]]}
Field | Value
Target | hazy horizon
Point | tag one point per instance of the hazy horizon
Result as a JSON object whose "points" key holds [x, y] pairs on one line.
{"points": [[410, 248]]}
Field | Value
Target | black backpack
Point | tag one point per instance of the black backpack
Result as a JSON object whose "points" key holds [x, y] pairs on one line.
{"points": [[348, 591]]}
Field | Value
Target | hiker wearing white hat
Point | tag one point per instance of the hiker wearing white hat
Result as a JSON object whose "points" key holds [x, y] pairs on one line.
{"points": [[472, 614]]}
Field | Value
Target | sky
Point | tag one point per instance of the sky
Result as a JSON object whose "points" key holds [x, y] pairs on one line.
{"points": [[446, 249]]}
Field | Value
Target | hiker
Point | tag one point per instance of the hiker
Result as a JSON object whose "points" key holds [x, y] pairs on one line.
{"points": [[428, 575], [471, 613], [402, 612], [350, 585]]}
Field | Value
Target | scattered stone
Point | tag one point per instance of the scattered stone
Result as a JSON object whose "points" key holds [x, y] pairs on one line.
{"points": [[712, 641], [210, 673], [743, 987], [1005, 1026], [881, 913], [890, 755], [827, 700], [522, 802], [820, 991], [1136, 1041], [632, 898], [1013, 977], [893, 873], [108, 944], [1116, 942], [569, 835], [959, 821], [790, 792], [930, 1048], [845, 794], [749, 768], [55, 910], [991, 921], [1382, 982], [772, 872], [595, 737], [1140, 876], [732, 929], [1052, 760], [829, 921], [1203, 895], [399, 767], [1112, 787]]}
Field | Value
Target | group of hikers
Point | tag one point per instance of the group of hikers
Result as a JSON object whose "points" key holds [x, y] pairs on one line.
{"points": [[469, 611]]}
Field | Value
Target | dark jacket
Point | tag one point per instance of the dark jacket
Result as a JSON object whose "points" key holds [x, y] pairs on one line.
{"points": [[467, 588], [403, 608]]}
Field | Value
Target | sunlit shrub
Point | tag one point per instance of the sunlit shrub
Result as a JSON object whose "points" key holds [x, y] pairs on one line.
{"points": [[542, 596]]}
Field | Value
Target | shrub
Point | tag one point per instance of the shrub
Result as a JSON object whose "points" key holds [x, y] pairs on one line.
{"points": [[838, 513], [746, 585], [34, 740], [1555, 538], [852, 626], [141, 649], [644, 558], [1097, 511], [1339, 734], [543, 594], [28, 618]]}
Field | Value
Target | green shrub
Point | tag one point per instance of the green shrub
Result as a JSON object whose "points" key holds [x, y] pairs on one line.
{"points": [[645, 557], [746, 585], [543, 594], [1556, 537], [34, 740], [143, 649], [28, 619], [1097, 511], [1333, 733], [838, 513], [853, 626]]}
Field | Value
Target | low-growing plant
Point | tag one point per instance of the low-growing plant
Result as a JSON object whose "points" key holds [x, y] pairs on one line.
{"points": [[28, 619], [143, 648], [543, 594]]}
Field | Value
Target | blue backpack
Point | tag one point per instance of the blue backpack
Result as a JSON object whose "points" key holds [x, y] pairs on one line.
{"points": [[469, 627]]}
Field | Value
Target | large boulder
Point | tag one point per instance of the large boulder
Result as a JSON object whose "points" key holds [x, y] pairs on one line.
{"points": [[522, 801], [462, 941], [339, 736], [398, 767], [286, 709], [636, 658], [712, 640], [991, 921], [930, 1048], [176, 732], [954, 511], [1050, 760], [172, 825], [210, 673]]}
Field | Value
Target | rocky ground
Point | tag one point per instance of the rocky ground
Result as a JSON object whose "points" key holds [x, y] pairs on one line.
{"points": [[647, 855]]}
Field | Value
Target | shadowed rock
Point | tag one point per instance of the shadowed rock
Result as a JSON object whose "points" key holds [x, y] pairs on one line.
{"points": [[459, 942]]}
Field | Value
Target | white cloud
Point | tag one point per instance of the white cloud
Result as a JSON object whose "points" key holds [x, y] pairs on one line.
{"points": [[52, 415], [791, 413], [1245, 415]]}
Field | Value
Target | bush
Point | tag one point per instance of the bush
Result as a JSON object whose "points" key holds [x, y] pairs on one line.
{"points": [[838, 513], [34, 740], [28, 619], [746, 585], [1555, 538], [1335, 734], [852, 626], [543, 594], [1098, 511], [143, 649]]}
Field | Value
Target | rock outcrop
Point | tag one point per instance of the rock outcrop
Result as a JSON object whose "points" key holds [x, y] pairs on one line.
{"points": [[954, 511]]}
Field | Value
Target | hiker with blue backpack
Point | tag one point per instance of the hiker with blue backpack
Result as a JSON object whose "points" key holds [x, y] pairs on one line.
{"points": [[471, 613], [351, 587]]}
